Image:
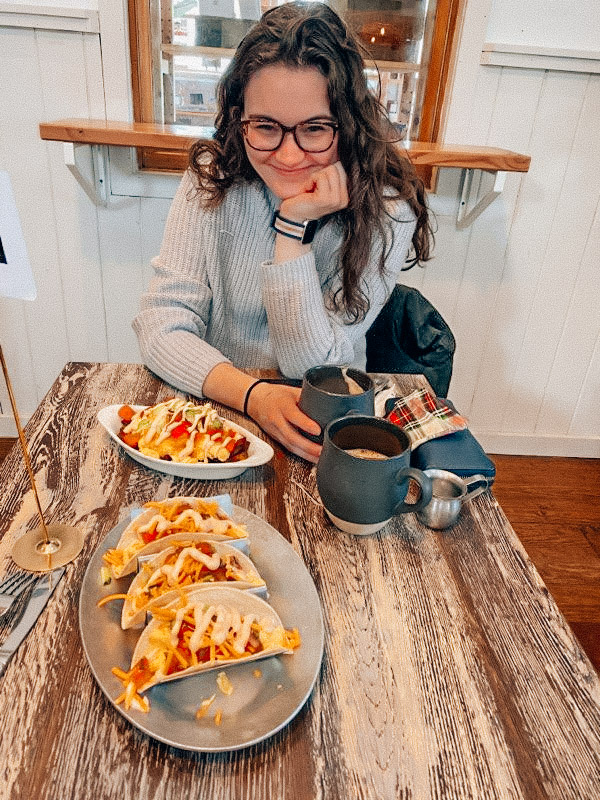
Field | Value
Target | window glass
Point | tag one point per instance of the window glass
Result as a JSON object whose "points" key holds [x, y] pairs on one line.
{"points": [[198, 38]]}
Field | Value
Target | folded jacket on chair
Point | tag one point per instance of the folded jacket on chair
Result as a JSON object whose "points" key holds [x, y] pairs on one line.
{"points": [[410, 335]]}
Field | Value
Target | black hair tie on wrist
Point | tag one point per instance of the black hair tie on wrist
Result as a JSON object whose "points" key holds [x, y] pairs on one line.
{"points": [[249, 392]]}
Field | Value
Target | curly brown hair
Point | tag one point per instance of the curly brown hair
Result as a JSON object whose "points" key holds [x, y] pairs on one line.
{"points": [[313, 35]]}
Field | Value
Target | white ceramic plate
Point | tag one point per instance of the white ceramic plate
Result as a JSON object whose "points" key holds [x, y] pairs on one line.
{"points": [[259, 705], [259, 452]]}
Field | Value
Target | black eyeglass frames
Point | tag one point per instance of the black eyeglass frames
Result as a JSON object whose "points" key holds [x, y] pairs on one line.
{"points": [[313, 136]]}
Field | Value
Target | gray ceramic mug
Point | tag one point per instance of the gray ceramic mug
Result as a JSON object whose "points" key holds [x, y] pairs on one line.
{"points": [[325, 395], [363, 474]]}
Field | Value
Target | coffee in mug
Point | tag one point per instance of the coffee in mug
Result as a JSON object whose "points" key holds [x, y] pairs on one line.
{"points": [[361, 493]]}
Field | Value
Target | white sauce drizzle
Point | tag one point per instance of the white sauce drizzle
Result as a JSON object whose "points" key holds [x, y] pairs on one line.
{"points": [[227, 622]]}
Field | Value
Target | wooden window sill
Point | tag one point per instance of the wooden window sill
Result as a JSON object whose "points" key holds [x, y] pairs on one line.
{"points": [[178, 138]]}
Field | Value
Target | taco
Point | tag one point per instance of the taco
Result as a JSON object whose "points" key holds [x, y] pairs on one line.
{"points": [[166, 521], [203, 630], [186, 566], [182, 431]]}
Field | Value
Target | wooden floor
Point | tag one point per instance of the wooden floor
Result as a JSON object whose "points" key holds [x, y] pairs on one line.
{"points": [[554, 506]]}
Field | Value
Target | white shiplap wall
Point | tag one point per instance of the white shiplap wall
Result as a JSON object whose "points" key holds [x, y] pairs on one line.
{"points": [[520, 288]]}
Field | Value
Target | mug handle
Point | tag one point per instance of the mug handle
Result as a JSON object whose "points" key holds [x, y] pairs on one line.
{"points": [[424, 485], [474, 480]]}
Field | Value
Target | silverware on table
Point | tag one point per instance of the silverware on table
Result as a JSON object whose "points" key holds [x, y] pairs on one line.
{"points": [[12, 587], [40, 596]]}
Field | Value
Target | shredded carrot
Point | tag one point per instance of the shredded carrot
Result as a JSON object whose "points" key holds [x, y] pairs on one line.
{"points": [[112, 557], [179, 657], [163, 613], [123, 676], [110, 597]]}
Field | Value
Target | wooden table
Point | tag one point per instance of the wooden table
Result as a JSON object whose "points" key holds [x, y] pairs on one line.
{"points": [[449, 672]]}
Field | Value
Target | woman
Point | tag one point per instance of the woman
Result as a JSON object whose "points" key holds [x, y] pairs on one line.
{"points": [[288, 231]]}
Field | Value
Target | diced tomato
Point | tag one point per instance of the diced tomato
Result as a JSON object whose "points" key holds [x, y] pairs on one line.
{"points": [[180, 429], [174, 666], [235, 444], [126, 413], [141, 674], [212, 431], [206, 548], [150, 536], [203, 654]]}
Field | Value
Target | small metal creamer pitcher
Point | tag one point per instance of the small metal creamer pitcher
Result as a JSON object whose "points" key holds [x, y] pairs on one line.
{"points": [[448, 493]]}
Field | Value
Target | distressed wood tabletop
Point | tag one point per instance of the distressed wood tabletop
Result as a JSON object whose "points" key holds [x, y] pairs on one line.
{"points": [[448, 670]]}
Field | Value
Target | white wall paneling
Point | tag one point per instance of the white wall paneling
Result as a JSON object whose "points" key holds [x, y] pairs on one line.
{"points": [[45, 16], [49, 73], [44, 318], [543, 24], [520, 288]]}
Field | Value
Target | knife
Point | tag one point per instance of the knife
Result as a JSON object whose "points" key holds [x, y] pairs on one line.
{"points": [[40, 596]]}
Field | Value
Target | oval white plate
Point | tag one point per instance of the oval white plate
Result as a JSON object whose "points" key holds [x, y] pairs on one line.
{"points": [[259, 451]]}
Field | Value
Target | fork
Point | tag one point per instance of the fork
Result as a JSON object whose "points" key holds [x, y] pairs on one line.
{"points": [[12, 587]]}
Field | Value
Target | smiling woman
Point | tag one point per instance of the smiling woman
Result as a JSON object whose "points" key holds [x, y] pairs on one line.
{"points": [[290, 228]]}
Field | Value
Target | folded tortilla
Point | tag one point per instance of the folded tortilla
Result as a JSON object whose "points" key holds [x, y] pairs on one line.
{"points": [[164, 523], [207, 629], [185, 567]]}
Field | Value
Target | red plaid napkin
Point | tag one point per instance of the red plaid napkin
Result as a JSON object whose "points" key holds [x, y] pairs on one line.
{"points": [[423, 416]]}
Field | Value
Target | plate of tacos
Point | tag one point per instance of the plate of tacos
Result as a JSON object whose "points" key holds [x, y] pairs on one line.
{"points": [[204, 647], [184, 438]]}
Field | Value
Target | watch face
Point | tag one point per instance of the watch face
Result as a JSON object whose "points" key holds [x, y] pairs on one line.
{"points": [[310, 228]]}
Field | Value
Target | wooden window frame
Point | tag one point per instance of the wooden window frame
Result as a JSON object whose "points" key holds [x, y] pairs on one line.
{"points": [[143, 75]]}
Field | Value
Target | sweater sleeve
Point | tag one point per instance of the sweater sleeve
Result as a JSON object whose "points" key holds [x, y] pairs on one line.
{"points": [[175, 311], [303, 330]]}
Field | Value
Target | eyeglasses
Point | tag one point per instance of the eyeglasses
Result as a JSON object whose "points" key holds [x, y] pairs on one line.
{"points": [[267, 135]]}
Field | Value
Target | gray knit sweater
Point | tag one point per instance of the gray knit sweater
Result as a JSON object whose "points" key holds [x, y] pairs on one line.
{"points": [[216, 296]]}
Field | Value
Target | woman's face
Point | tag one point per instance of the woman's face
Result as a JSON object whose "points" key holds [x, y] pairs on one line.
{"points": [[288, 95]]}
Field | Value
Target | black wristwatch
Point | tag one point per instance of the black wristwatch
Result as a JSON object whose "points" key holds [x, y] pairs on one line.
{"points": [[304, 232]]}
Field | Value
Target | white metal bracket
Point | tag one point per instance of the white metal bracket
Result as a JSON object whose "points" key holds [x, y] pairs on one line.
{"points": [[464, 216], [88, 163]]}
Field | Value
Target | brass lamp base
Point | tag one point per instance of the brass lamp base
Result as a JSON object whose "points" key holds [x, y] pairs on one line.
{"points": [[37, 553]]}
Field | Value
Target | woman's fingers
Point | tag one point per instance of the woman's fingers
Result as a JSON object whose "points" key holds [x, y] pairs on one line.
{"points": [[324, 193], [275, 408], [298, 444], [331, 187]]}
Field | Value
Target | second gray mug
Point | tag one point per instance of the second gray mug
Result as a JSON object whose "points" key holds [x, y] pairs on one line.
{"points": [[326, 395]]}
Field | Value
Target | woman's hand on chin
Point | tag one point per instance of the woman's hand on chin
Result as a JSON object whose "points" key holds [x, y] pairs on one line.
{"points": [[324, 193], [274, 407]]}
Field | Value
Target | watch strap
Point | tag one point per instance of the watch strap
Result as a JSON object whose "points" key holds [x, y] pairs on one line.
{"points": [[303, 232]]}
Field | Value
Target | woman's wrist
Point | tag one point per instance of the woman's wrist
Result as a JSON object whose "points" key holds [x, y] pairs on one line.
{"points": [[228, 385], [287, 249]]}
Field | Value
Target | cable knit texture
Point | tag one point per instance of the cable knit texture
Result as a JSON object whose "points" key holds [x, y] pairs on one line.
{"points": [[217, 297]]}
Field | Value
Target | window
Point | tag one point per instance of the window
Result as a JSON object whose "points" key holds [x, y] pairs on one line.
{"points": [[180, 49]]}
